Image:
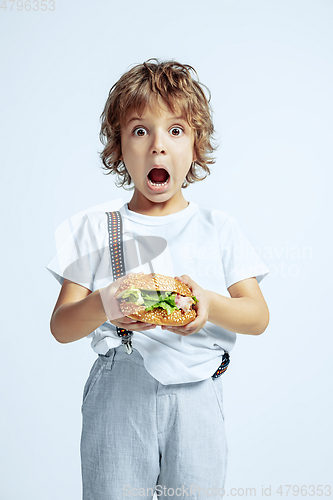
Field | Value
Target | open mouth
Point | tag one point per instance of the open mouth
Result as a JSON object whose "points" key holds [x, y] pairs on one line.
{"points": [[158, 177]]}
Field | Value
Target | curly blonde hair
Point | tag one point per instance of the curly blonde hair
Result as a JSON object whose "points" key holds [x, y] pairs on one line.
{"points": [[174, 83]]}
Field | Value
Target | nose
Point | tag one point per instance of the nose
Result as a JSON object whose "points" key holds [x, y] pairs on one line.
{"points": [[158, 146]]}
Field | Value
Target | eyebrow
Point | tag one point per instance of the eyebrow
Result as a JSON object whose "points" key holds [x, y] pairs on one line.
{"points": [[133, 119], [138, 118]]}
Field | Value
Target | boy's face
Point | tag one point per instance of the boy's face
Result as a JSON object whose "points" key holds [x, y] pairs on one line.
{"points": [[158, 149]]}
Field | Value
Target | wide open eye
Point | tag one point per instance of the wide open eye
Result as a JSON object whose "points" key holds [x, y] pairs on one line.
{"points": [[140, 132], [176, 131]]}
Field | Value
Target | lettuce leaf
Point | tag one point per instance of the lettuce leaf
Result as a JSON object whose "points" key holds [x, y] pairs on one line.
{"points": [[164, 305], [152, 299], [133, 295], [166, 301]]}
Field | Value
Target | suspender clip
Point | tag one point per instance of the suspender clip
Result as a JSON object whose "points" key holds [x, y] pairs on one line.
{"points": [[127, 343]]}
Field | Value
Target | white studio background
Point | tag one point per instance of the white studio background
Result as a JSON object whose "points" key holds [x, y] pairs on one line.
{"points": [[269, 66]]}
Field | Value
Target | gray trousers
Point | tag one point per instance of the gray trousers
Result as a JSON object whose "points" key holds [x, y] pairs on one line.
{"points": [[140, 437]]}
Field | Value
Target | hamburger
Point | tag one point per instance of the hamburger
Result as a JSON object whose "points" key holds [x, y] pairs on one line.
{"points": [[157, 299]]}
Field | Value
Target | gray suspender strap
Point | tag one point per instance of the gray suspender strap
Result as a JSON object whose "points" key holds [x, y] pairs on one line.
{"points": [[118, 269]]}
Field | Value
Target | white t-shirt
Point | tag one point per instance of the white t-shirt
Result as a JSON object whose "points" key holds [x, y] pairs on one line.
{"points": [[206, 244]]}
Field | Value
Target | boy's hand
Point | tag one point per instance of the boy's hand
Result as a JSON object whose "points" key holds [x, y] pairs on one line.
{"points": [[201, 308], [113, 312]]}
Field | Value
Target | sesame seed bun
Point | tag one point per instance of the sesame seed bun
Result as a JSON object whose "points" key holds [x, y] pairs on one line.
{"points": [[153, 282], [157, 316]]}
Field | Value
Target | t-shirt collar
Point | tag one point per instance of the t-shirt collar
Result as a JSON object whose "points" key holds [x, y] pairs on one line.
{"points": [[152, 220]]}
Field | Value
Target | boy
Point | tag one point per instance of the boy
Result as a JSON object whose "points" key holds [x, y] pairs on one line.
{"points": [[153, 420]]}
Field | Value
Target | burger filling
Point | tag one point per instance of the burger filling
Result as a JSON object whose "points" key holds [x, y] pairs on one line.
{"points": [[151, 299]]}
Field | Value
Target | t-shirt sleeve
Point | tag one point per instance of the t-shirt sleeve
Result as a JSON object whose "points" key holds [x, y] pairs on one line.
{"points": [[78, 257], [239, 258]]}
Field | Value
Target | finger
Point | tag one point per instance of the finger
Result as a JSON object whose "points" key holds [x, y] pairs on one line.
{"points": [[179, 278], [135, 327], [187, 281], [141, 323], [189, 328], [146, 327], [193, 325], [178, 330], [183, 334], [131, 321]]}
